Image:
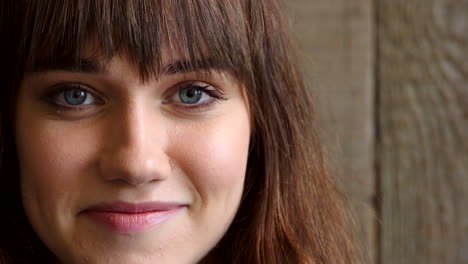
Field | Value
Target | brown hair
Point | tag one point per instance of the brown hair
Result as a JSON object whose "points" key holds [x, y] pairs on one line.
{"points": [[291, 211]]}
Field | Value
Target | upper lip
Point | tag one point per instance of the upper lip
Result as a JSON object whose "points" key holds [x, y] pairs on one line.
{"points": [[133, 208]]}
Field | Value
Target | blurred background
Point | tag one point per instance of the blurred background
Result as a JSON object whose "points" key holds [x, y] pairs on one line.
{"points": [[390, 79]]}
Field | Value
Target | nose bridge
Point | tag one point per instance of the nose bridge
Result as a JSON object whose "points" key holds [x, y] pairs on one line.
{"points": [[135, 150], [136, 129]]}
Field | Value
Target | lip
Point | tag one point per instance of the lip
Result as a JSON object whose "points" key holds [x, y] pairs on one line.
{"points": [[127, 218]]}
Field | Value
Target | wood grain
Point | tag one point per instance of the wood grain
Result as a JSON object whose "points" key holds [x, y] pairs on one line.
{"points": [[336, 47], [423, 128]]}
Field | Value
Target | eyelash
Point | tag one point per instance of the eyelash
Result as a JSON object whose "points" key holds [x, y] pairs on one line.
{"points": [[59, 90], [214, 94], [56, 91]]}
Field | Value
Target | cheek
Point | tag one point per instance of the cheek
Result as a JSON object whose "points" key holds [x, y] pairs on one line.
{"points": [[215, 156], [47, 152], [39, 157], [47, 166]]}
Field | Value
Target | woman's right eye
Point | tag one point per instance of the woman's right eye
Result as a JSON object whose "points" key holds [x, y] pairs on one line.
{"points": [[72, 96]]}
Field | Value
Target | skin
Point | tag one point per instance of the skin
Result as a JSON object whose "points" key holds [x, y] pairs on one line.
{"points": [[135, 142]]}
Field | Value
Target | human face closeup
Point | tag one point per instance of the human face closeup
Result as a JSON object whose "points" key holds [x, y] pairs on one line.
{"points": [[117, 170]]}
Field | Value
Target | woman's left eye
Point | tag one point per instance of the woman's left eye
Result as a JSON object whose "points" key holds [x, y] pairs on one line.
{"points": [[195, 94]]}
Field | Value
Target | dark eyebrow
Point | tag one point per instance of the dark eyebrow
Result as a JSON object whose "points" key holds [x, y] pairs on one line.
{"points": [[186, 66], [81, 65], [85, 65]]}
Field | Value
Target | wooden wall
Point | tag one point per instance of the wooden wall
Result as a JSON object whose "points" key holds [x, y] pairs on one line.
{"points": [[390, 79]]}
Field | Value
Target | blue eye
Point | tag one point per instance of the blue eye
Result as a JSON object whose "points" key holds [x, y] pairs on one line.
{"points": [[191, 94], [74, 96], [194, 94]]}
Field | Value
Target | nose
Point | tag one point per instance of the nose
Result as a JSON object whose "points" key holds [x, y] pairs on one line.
{"points": [[135, 144]]}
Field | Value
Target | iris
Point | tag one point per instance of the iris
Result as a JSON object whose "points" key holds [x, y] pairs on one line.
{"points": [[190, 95], [75, 96]]}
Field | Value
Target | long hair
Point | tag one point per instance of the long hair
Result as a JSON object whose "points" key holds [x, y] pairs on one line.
{"points": [[290, 210]]}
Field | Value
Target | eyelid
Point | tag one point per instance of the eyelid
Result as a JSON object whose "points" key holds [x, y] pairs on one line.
{"points": [[214, 93], [205, 86], [215, 96], [55, 90]]}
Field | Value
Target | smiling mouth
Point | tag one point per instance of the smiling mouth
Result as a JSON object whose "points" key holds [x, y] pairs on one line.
{"points": [[128, 218]]}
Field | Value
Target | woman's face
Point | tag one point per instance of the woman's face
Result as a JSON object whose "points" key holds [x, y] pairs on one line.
{"points": [[116, 170]]}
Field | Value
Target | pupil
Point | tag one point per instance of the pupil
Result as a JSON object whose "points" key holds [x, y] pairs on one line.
{"points": [[190, 95], [75, 96], [191, 92]]}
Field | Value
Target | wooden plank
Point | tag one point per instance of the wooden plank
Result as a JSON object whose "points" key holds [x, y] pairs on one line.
{"points": [[423, 80], [336, 45]]}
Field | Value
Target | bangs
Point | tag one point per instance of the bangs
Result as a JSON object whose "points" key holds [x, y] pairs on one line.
{"points": [[205, 34]]}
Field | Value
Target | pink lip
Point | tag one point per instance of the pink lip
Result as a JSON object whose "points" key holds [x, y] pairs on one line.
{"points": [[123, 217]]}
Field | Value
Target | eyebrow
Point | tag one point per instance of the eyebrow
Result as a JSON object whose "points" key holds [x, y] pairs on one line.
{"points": [[81, 65], [84, 65], [186, 66]]}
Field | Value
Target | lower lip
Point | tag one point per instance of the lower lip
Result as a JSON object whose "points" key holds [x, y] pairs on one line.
{"points": [[127, 223]]}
